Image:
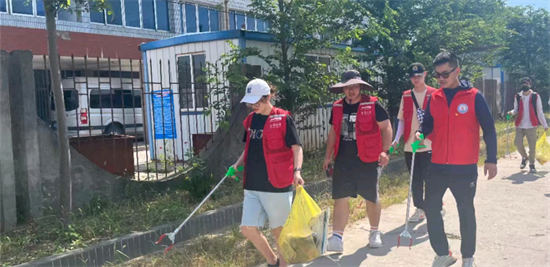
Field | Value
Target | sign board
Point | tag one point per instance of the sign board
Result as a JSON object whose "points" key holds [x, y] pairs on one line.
{"points": [[164, 120]]}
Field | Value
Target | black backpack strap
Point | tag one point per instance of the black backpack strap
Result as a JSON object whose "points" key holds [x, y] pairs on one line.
{"points": [[414, 100]]}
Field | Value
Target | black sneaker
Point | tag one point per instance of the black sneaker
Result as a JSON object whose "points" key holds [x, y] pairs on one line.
{"points": [[274, 265], [523, 163], [532, 168]]}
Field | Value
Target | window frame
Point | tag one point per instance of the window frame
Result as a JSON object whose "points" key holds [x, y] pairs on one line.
{"points": [[193, 106], [197, 17], [141, 24], [9, 9]]}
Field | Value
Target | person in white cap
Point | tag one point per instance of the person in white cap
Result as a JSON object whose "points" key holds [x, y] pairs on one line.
{"points": [[358, 142], [272, 161]]}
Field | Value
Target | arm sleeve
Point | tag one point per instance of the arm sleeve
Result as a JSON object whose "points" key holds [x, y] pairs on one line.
{"points": [[540, 113], [488, 126], [515, 110], [330, 120], [400, 113], [291, 137], [380, 112], [400, 129], [245, 136], [428, 124]]}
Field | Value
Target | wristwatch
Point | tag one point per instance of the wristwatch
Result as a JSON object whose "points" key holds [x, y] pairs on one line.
{"points": [[297, 169]]}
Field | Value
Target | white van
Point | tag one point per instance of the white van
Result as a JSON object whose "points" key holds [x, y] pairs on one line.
{"points": [[103, 106]]}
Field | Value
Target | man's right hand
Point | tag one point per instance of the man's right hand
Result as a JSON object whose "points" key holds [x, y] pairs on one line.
{"points": [[417, 136], [326, 163], [394, 145]]}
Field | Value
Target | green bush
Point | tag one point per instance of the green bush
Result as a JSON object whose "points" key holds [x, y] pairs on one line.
{"points": [[199, 180]]}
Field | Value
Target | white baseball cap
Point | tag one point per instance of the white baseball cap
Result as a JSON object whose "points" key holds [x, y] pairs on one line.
{"points": [[255, 90]]}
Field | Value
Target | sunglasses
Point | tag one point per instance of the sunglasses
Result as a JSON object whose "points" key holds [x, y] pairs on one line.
{"points": [[444, 74]]}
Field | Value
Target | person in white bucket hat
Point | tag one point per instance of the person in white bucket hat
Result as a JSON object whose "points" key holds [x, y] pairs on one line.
{"points": [[272, 161]]}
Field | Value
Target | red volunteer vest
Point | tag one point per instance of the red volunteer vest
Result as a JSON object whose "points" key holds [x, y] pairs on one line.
{"points": [[532, 113], [367, 132], [455, 137], [409, 107], [278, 157]]}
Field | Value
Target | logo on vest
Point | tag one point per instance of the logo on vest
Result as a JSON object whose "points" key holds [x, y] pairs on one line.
{"points": [[275, 125], [462, 108]]}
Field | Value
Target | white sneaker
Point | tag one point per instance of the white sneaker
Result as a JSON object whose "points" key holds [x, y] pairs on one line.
{"points": [[417, 216], [468, 262], [335, 244], [444, 261], [375, 239]]}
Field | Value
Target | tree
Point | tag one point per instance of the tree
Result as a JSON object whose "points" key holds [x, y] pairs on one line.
{"points": [[417, 30], [51, 7], [526, 51], [300, 27]]}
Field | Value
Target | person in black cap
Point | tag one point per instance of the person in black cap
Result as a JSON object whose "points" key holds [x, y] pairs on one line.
{"points": [[411, 115], [359, 140], [528, 108]]}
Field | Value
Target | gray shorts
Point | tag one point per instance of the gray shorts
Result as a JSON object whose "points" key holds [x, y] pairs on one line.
{"points": [[259, 207]]}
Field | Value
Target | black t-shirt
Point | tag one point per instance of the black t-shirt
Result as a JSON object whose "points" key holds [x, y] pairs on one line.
{"points": [[348, 144], [256, 168]]}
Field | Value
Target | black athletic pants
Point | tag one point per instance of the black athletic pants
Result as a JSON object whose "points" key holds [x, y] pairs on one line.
{"points": [[422, 161], [463, 188]]}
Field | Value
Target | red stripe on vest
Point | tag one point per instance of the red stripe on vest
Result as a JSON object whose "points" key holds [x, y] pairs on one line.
{"points": [[408, 108], [455, 138], [279, 158], [532, 114], [367, 132]]}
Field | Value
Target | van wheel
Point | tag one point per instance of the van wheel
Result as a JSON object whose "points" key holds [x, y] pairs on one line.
{"points": [[114, 129]]}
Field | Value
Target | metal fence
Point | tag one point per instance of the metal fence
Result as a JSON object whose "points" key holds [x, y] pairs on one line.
{"points": [[143, 127]]}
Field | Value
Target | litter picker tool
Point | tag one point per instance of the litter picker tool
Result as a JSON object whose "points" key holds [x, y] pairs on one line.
{"points": [[405, 234], [172, 236]]}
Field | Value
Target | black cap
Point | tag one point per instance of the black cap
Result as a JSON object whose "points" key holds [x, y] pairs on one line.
{"points": [[525, 79], [416, 69]]}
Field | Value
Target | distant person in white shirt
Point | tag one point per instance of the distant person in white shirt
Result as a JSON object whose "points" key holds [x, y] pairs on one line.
{"points": [[528, 108]]}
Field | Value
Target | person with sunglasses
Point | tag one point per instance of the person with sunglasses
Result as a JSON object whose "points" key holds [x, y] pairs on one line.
{"points": [[452, 120], [272, 161], [528, 108], [411, 115], [358, 142]]}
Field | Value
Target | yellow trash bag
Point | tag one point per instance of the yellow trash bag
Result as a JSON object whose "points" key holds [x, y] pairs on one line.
{"points": [[543, 150], [305, 232]]}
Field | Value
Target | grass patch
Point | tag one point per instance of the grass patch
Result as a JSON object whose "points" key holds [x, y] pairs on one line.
{"points": [[230, 248], [501, 141], [103, 220]]}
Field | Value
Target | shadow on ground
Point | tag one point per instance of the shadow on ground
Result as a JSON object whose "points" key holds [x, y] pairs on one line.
{"points": [[389, 240], [525, 176]]}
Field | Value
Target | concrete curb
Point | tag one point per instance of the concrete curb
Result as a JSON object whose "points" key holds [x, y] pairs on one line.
{"points": [[143, 243]]}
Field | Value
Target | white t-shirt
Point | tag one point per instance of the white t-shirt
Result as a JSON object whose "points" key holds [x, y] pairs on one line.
{"points": [[526, 119]]}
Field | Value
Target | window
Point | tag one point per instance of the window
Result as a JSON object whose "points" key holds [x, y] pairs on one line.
{"points": [[163, 18], [191, 18], [319, 60], [214, 20], [261, 25], [3, 6], [240, 21], [116, 98], [204, 21], [148, 9], [40, 8], [114, 14], [97, 16], [250, 23], [132, 13], [193, 89], [232, 20], [22, 7]]}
